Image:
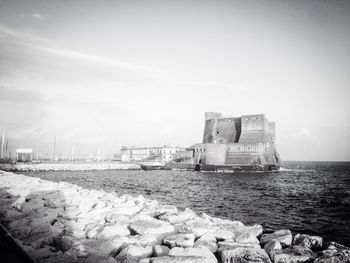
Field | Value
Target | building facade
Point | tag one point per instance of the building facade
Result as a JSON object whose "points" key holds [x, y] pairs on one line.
{"points": [[24, 155], [149, 154]]}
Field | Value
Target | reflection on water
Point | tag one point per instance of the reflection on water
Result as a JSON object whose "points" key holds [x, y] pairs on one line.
{"points": [[306, 197]]}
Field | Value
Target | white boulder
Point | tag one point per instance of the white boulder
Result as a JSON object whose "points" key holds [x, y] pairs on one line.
{"points": [[179, 240]]}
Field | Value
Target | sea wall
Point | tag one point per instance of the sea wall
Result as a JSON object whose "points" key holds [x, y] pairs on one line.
{"points": [[22, 167], [62, 222]]}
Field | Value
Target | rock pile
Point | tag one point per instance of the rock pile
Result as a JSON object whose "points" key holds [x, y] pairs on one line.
{"points": [[61, 222], [23, 167]]}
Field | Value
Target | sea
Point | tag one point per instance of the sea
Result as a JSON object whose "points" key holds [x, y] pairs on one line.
{"points": [[305, 197]]}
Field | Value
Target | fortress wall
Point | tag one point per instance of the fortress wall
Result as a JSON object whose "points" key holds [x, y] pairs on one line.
{"points": [[241, 158], [229, 129], [215, 126], [216, 154], [253, 136], [253, 122], [245, 147], [200, 150], [208, 131], [255, 128], [212, 115], [271, 129]]}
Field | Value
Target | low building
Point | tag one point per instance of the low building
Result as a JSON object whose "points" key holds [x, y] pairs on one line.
{"points": [[151, 154], [24, 155], [185, 156]]}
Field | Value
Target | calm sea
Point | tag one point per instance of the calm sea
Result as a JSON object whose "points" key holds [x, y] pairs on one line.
{"points": [[307, 197]]}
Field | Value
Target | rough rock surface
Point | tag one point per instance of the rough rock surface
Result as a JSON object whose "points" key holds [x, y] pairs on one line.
{"points": [[292, 255], [272, 246], [334, 253], [179, 240], [168, 259], [193, 251], [143, 227], [245, 254], [160, 251], [312, 242], [283, 236], [208, 240], [134, 253]]}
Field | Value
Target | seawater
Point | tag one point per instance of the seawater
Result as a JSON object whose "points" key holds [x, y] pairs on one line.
{"points": [[307, 197]]}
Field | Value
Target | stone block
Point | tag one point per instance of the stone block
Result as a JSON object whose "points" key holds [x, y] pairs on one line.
{"points": [[179, 240], [283, 236], [245, 254], [312, 242]]}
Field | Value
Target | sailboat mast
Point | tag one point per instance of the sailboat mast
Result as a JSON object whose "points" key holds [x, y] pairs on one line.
{"points": [[54, 148], [2, 144]]}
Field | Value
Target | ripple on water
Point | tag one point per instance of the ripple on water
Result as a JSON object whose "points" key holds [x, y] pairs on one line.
{"points": [[305, 197]]}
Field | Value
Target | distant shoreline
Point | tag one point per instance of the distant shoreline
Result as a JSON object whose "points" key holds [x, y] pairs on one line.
{"points": [[67, 166]]}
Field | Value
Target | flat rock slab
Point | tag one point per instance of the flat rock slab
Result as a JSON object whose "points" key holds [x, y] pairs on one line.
{"points": [[208, 240], [179, 218], [221, 234], [193, 251], [254, 230], [247, 238], [112, 230], [283, 236], [160, 251], [179, 240], [197, 226], [134, 253], [144, 227], [226, 245], [169, 259]]}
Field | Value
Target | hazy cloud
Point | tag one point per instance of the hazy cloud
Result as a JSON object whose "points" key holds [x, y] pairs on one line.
{"points": [[103, 61], [38, 16], [11, 94]]}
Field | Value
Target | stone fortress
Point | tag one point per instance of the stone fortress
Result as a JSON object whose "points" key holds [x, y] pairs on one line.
{"points": [[237, 142]]}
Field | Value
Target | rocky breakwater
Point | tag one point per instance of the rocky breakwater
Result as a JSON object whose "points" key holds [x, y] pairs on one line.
{"points": [[61, 222], [27, 167]]}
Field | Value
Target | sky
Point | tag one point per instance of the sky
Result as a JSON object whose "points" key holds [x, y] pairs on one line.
{"points": [[116, 73]]}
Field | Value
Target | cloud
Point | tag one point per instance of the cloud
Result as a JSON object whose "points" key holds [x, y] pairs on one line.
{"points": [[9, 37], [301, 135], [11, 94], [304, 133], [12, 36], [104, 61], [38, 16]]}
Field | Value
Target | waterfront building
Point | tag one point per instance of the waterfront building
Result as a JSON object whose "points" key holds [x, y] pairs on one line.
{"points": [[24, 155], [248, 140], [156, 154], [186, 155]]}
